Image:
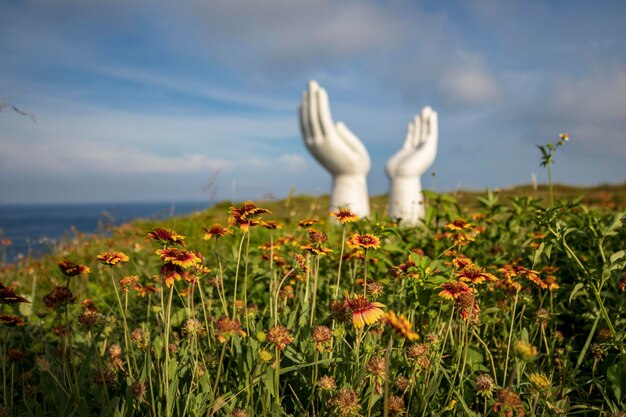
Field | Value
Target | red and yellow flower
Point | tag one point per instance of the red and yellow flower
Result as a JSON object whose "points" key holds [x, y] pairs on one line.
{"points": [[307, 222], [452, 290], [11, 321], [280, 336], [216, 230], [112, 258], [246, 215], [364, 311], [475, 274], [183, 258], [459, 225], [71, 269], [345, 216], [8, 296], [228, 327], [165, 236], [364, 241]]}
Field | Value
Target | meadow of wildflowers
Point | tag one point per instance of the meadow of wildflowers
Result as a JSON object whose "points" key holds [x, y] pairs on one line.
{"points": [[503, 308]]}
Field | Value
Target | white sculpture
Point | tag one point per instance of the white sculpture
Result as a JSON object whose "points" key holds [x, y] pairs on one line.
{"points": [[338, 150], [347, 160], [405, 168]]}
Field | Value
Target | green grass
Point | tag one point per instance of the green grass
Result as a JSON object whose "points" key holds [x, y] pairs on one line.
{"points": [[542, 334]]}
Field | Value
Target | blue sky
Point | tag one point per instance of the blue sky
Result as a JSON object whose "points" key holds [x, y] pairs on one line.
{"points": [[165, 101]]}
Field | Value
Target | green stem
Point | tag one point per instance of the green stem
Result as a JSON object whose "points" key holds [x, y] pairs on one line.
{"points": [[508, 347], [126, 336], [343, 244], [550, 183], [315, 277], [167, 352], [237, 275]]}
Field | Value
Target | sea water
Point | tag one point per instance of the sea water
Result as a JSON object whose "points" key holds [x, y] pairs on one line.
{"points": [[31, 229]]}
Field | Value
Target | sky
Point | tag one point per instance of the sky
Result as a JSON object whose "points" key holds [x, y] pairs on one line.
{"points": [[197, 100]]}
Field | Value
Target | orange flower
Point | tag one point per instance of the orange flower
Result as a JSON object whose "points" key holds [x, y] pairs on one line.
{"points": [[364, 311], [171, 273], [11, 321], [316, 245], [245, 216], [112, 258], [183, 258], [451, 290], [365, 241], [271, 224], [552, 285], [143, 291], [401, 271], [307, 222], [475, 274], [459, 225], [8, 296], [71, 269], [462, 261], [165, 236], [345, 216], [59, 297], [227, 327], [280, 336], [129, 282], [467, 306], [216, 230], [322, 337], [401, 325]]}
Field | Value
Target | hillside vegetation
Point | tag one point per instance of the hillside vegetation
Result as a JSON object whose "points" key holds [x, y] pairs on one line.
{"points": [[500, 304]]}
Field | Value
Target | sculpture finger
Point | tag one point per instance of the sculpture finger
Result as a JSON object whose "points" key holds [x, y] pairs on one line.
{"points": [[351, 140], [426, 112], [417, 132], [316, 133], [304, 122], [325, 118], [433, 129], [410, 132]]}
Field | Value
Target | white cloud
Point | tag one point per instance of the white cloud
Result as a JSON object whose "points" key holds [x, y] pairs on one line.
{"points": [[591, 108], [298, 31], [293, 162], [70, 157], [470, 83]]}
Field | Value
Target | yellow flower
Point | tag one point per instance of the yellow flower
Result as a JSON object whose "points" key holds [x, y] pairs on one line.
{"points": [[401, 325], [539, 380]]}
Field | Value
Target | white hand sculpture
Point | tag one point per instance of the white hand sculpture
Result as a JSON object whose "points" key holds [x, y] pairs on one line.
{"points": [[337, 149], [405, 168]]}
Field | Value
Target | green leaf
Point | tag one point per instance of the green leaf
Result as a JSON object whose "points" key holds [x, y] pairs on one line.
{"points": [[538, 253], [475, 356], [617, 255], [577, 288], [616, 376]]}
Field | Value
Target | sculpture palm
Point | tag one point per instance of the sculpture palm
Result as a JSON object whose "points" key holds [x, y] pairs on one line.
{"points": [[405, 168], [337, 149]]}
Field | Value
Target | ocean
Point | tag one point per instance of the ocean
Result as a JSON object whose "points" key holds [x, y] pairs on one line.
{"points": [[30, 229]]}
